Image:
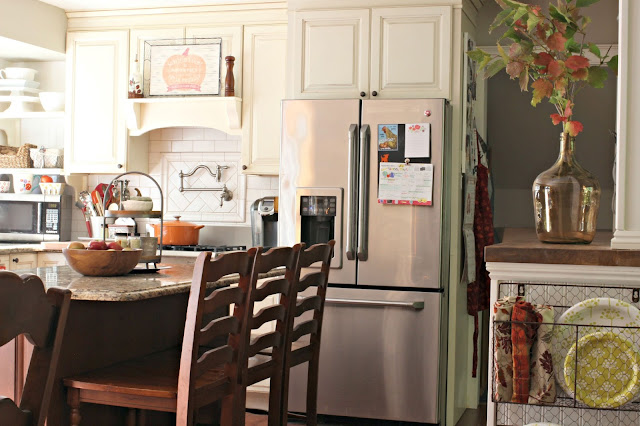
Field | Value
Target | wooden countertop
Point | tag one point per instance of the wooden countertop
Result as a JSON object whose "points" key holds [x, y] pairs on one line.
{"points": [[130, 287], [520, 245]]}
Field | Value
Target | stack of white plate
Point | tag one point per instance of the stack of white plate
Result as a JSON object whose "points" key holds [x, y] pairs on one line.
{"points": [[18, 86]]}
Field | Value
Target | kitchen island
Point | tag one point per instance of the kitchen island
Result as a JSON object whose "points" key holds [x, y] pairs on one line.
{"points": [[111, 319]]}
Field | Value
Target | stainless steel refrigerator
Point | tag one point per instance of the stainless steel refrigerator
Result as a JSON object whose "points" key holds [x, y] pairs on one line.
{"points": [[383, 351]]}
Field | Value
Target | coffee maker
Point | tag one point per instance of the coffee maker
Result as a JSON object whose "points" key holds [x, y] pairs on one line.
{"points": [[264, 222]]}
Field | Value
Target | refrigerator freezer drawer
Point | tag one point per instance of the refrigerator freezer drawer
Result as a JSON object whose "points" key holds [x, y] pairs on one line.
{"points": [[378, 358]]}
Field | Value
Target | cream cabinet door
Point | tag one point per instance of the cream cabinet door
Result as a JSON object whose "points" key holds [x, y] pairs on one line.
{"points": [[20, 261], [411, 52], [231, 46], [95, 131], [51, 259], [331, 54], [264, 55]]}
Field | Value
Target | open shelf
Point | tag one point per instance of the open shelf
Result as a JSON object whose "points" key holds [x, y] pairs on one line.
{"points": [[35, 114], [218, 112], [46, 171], [133, 213]]}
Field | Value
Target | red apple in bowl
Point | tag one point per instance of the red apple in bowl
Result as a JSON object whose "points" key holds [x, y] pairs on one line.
{"points": [[97, 245], [114, 246]]}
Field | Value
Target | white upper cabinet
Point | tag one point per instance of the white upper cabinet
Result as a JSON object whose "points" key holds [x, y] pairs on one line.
{"points": [[95, 132], [331, 53], [411, 52], [265, 51], [399, 52]]}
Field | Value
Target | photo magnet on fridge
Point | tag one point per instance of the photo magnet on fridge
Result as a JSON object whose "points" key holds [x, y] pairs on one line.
{"points": [[388, 137]]}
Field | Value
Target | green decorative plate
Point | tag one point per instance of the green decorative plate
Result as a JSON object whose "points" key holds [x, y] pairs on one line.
{"points": [[596, 313], [608, 370]]}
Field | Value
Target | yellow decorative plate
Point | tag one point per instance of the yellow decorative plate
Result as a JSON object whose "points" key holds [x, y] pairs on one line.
{"points": [[608, 370]]}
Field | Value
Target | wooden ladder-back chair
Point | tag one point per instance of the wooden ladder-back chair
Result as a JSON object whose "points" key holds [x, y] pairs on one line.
{"points": [[296, 351], [42, 317], [266, 350], [182, 381]]}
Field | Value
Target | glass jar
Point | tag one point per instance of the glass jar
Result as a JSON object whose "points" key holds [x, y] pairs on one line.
{"points": [[123, 240], [134, 242], [566, 199]]}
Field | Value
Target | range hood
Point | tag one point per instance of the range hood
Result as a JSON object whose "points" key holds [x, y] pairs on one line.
{"points": [[217, 112]]}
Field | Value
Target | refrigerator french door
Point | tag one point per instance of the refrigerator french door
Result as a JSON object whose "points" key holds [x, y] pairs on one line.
{"points": [[383, 333]]}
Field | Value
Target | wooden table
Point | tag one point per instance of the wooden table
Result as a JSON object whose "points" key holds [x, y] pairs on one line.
{"points": [[112, 319]]}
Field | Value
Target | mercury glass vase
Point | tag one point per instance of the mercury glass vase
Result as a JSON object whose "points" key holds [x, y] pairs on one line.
{"points": [[566, 198]]}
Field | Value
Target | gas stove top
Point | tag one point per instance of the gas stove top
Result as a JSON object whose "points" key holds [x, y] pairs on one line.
{"points": [[203, 247]]}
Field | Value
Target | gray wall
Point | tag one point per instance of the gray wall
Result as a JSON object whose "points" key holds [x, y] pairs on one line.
{"points": [[524, 142]]}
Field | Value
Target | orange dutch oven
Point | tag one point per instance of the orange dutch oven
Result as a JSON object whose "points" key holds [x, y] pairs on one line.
{"points": [[177, 233]]}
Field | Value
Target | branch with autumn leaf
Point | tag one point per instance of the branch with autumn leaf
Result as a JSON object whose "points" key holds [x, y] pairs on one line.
{"points": [[547, 53]]}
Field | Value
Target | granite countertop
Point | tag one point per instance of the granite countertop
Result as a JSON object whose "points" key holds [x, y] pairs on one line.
{"points": [[520, 245], [26, 248], [131, 287]]}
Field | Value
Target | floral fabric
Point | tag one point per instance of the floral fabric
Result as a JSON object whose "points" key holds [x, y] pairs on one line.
{"points": [[543, 384], [502, 353]]}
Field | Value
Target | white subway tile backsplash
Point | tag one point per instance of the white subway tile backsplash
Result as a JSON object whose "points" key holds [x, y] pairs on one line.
{"points": [[227, 146], [192, 133], [204, 146], [159, 146], [172, 150], [182, 146], [155, 135], [172, 134], [214, 135]]}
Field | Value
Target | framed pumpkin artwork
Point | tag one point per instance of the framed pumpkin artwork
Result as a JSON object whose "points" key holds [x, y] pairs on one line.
{"points": [[183, 67]]}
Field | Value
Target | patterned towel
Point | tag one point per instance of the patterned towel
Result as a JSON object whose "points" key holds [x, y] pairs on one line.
{"points": [[543, 384], [502, 353], [522, 337]]}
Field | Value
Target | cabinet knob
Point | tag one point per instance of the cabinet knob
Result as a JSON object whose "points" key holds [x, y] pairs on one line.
{"points": [[244, 167], [374, 93], [363, 94], [119, 166], [15, 260]]}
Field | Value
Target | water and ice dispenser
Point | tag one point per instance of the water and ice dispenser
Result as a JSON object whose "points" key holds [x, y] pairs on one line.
{"points": [[318, 219]]}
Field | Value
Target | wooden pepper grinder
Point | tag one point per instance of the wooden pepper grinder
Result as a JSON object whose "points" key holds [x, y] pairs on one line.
{"points": [[229, 81]]}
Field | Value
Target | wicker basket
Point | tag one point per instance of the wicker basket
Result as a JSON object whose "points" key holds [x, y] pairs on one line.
{"points": [[16, 157]]}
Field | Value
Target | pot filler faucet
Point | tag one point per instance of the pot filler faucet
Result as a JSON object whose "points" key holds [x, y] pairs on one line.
{"points": [[225, 195]]}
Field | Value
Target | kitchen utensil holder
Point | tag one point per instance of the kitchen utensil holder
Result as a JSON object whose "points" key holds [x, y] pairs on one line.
{"points": [[226, 194], [137, 214], [566, 409]]}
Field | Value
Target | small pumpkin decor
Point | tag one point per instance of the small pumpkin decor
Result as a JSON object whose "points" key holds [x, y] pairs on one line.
{"points": [[547, 54], [184, 72]]}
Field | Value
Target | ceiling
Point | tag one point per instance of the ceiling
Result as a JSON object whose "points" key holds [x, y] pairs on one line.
{"points": [[83, 5]]}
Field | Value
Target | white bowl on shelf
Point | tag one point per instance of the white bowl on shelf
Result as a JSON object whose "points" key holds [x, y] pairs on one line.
{"points": [[51, 188], [52, 101], [138, 204]]}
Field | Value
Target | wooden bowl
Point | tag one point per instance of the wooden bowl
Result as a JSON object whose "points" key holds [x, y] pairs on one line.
{"points": [[102, 263]]}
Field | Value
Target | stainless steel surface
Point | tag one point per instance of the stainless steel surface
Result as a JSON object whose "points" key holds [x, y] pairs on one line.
{"points": [[225, 195], [35, 217], [363, 198], [405, 242], [337, 261], [260, 209], [315, 153], [379, 362], [352, 194], [358, 302], [39, 229]]}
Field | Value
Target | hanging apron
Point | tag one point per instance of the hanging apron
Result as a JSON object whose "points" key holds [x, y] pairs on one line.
{"points": [[478, 295]]}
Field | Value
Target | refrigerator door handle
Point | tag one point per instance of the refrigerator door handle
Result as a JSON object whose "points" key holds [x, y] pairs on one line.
{"points": [[416, 306], [363, 202], [352, 193]]}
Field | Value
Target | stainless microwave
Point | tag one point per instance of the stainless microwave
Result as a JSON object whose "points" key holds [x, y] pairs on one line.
{"points": [[35, 217]]}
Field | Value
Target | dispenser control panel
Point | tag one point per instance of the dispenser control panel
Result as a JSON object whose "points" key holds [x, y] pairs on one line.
{"points": [[315, 205]]}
